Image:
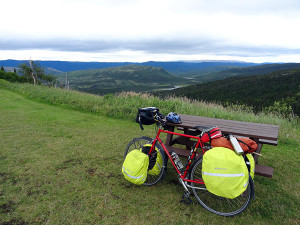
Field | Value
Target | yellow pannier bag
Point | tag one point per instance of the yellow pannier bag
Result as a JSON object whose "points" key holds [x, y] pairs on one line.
{"points": [[251, 163], [155, 163], [224, 172], [135, 167]]}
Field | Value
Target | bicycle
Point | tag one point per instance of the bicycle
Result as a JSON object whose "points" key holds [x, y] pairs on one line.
{"points": [[190, 175]]}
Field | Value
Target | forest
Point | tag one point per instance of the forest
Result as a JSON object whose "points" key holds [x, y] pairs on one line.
{"points": [[279, 89]]}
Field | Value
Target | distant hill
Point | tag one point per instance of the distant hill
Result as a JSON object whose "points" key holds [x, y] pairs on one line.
{"points": [[246, 71], [64, 66], [124, 78], [187, 68], [10, 64], [258, 91], [191, 68]]}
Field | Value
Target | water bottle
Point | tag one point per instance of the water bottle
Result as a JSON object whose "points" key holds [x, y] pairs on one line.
{"points": [[237, 148], [177, 161]]}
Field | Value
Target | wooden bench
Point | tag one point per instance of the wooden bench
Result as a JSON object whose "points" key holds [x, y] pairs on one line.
{"points": [[261, 133]]}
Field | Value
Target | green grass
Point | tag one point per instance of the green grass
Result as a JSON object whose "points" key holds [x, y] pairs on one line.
{"points": [[59, 165], [63, 166]]}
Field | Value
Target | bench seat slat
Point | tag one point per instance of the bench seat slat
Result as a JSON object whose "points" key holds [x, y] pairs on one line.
{"points": [[265, 171], [269, 142]]}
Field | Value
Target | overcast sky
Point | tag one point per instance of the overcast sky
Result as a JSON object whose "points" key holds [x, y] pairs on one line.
{"points": [[144, 30]]}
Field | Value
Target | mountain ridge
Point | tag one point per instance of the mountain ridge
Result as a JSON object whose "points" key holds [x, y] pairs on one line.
{"points": [[176, 67]]}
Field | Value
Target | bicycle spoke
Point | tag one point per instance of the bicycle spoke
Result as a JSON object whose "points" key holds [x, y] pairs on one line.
{"points": [[138, 143]]}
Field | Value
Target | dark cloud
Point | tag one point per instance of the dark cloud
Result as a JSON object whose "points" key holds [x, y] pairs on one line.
{"points": [[57, 44], [155, 46]]}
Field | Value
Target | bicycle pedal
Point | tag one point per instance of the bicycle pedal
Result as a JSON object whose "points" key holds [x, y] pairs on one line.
{"points": [[186, 199]]}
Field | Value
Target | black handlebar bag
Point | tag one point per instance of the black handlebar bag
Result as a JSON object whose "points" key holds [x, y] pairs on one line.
{"points": [[145, 116]]}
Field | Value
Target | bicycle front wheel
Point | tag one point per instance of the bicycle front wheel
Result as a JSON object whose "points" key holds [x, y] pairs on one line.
{"points": [[152, 177], [216, 204]]}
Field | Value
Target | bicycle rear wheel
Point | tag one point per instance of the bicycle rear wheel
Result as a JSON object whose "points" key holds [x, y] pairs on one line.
{"points": [[138, 143], [216, 204]]}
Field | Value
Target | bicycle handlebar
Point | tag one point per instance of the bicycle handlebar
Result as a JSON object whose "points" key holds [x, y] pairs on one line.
{"points": [[159, 118]]}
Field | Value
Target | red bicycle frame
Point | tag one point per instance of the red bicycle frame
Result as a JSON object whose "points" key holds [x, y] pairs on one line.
{"points": [[190, 158]]}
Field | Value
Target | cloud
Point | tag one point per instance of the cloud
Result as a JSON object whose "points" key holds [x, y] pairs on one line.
{"points": [[180, 27], [150, 46]]}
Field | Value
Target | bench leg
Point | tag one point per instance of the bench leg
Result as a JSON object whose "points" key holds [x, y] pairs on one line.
{"points": [[257, 151], [169, 137], [186, 131]]}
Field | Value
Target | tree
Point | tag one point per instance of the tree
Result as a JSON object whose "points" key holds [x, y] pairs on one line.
{"points": [[9, 76], [34, 73], [2, 68]]}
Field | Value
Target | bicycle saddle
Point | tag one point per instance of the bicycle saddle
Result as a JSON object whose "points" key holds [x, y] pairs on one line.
{"points": [[204, 129], [209, 133]]}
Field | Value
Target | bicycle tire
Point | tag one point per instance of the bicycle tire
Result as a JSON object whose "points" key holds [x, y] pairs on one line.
{"points": [[138, 143], [216, 204]]}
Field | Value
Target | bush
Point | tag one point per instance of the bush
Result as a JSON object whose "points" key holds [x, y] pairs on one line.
{"points": [[280, 108]]}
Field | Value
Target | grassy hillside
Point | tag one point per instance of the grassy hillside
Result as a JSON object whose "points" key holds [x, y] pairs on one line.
{"points": [[258, 92], [62, 166], [246, 71], [123, 78]]}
